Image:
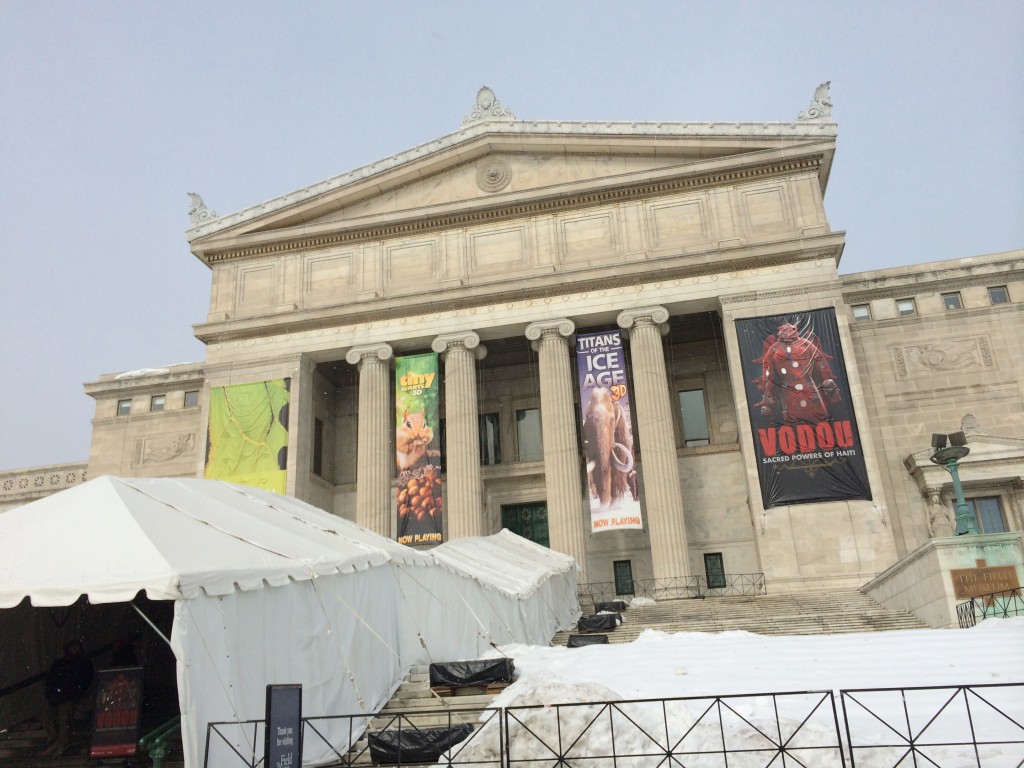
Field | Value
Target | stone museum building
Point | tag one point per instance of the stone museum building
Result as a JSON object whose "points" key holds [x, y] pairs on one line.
{"points": [[629, 341]]}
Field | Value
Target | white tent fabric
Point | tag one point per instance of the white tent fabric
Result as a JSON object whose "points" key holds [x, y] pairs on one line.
{"points": [[268, 589]]}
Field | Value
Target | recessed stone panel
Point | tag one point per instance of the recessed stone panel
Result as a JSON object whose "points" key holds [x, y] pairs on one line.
{"points": [[493, 251], [679, 223], [327, 276], [588, 237], [412, 263], [767, 210], [257, 286]]}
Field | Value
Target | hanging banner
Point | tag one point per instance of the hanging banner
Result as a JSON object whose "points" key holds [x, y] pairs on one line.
{"points": [[806, 439], [417, 450], [247, 441], [607, 432]]}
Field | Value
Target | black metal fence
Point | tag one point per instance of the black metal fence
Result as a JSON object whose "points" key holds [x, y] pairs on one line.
{"points": [[677, 588], [995, 605]]}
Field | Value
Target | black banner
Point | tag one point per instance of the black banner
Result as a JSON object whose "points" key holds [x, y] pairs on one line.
{"points": [[115, 720], [806, 439]]}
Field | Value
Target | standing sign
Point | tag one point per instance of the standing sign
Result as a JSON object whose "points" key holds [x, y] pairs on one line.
{"points": [[806, 440], [607, 432], [283, 743], [115, 721], [417, 450]]}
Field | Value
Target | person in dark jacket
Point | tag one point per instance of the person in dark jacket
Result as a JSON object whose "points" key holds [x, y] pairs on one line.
{"points": [[67, 682]]}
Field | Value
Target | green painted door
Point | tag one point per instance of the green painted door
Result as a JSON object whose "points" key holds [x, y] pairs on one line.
{"points": [[527, 520]]}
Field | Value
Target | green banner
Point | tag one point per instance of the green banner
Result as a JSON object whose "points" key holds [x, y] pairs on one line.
{"points": [[417, 450], [248, 438]]}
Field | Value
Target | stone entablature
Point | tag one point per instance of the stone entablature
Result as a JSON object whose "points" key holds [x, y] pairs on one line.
{"points": [[20, 486]]}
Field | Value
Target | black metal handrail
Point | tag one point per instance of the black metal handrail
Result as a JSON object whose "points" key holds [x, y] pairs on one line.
{"points": [[945, 726], [954, 726], [999, 605], [678, 587]]}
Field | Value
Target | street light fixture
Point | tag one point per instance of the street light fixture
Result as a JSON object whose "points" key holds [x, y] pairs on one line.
{"points": [[948, 457]]}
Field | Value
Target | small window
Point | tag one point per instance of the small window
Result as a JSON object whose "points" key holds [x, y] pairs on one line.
{"points": [[124, 407], [490, 439], [695, 418], [192, 398], [998, 294], [623, 570], [952, 300], [156, 403], [528, 435], [988, 513], [318, 447], [906, 307], [861, 311]]}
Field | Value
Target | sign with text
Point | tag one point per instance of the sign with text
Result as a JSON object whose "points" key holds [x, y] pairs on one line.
{"points": [[283, 744], [417, 450], [115, 720], [607, 432], [806, 441], [977, 582]]}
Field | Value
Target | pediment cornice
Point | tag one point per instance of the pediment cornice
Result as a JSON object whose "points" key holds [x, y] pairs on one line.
{"points": [[720, 171]]}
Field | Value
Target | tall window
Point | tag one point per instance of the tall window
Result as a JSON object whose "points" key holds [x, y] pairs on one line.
{"points": [[528, 435], [623, 570], [318, 447], [988, 512], [714, 570], [490, 439], [156, 403], [695, 417]]}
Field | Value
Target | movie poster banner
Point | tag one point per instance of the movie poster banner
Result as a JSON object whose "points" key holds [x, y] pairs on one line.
{"points": [[247, 441], [607, 431], [115, 718], [806, 440], [417, 450]]}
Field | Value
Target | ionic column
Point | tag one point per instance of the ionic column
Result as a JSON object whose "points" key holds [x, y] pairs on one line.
{"points": [[662, 497], [462, 443], [375, 461], [558, 431]]}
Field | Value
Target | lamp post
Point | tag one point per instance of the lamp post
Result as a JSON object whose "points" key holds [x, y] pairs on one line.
{"points": [[948, 457]]}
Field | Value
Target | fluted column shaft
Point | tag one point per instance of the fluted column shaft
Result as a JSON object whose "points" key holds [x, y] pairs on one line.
{"points": [[375, 461], [462, 429], [558, 431], [662, 496]]}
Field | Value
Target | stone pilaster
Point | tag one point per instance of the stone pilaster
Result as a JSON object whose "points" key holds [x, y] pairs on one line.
{"points": [[558, 430], [375, 462], [462, 442], [662, 496]]}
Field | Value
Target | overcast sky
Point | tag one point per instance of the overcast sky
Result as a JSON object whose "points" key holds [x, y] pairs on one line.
{"points": [[110, 112]]}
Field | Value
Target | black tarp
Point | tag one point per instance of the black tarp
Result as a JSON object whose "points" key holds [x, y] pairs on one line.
{"points": [[599, 622], [578, 641], [613, 606], [477, 672], [414, 745]]}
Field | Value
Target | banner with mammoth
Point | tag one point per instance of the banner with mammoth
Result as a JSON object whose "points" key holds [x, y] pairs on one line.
{"points": [[417, 450], [607, 432], [806, 441], [247, 441]]}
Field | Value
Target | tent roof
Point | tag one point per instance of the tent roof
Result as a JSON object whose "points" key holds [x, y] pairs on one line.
{"points": [[111, 537], [504, 561]]}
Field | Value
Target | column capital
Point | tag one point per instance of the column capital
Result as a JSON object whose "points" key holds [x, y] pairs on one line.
{"points": [[469, 340], [560, 327], [356, 355], [656, 316]]}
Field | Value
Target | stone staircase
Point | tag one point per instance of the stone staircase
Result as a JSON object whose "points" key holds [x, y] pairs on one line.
{"points": [[803, 613]]}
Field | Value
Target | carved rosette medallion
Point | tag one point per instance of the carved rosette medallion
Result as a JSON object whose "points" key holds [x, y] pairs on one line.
{"points": [[493, 175]]}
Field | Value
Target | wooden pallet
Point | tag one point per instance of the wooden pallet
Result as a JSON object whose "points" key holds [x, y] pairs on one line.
{"points": [[491, 689]]}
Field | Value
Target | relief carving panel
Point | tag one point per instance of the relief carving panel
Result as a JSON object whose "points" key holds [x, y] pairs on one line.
{"points": [[164, 448], [937, 357]]}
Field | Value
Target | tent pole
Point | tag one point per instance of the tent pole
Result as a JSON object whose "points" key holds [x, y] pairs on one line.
{"points": [[145, 618]]}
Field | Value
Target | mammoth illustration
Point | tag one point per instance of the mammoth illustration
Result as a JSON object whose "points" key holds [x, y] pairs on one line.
{"points": [[608, 445]]}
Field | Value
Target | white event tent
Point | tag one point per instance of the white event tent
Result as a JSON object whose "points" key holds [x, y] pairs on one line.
{"points": [[270, 590]]}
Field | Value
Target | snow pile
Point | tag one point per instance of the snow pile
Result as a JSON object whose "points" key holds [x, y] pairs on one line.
{"points": [[639, 602]]}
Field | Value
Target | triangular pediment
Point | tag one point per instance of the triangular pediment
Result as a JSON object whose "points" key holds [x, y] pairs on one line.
{"points": [[496, 165]]}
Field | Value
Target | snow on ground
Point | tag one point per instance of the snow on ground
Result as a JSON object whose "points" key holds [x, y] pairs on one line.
{"points": [[685, 664]]}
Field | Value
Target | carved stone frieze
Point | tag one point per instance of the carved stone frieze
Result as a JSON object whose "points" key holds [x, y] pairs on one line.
{"points": [[158, 450], [487, 107], [493, 175], [821, 105], [953, 356], [40, 482], [198, 213]]}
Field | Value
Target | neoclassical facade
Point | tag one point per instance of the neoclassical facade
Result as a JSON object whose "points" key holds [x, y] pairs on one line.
{"points": [[498, 245]]}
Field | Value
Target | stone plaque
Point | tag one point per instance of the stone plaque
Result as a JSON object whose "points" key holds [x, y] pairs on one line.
{"points": [[975, 582]]}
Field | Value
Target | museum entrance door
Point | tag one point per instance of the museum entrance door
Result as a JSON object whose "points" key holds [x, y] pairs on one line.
{"points": [[527, 520]]}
